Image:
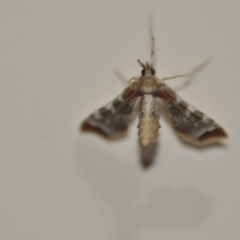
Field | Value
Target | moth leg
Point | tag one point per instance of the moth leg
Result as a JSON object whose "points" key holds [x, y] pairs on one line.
{"points": [[193, 72], [133, 78], [122, 78]]}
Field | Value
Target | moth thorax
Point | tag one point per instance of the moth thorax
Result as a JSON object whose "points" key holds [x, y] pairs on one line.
{"points": [[148, 120], [148, 85]]}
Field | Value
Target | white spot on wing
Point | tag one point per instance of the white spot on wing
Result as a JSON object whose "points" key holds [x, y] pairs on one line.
{"points": [[191, 108], [101, 126], [97, 115], [110, 108], [178, 99], [206, 119], [204, 130], [120, 98]]}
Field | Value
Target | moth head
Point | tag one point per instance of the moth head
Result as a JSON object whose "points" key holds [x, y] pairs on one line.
{"points": [[148, 69]]}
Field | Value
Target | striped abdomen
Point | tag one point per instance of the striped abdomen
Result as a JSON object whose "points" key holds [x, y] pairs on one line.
{"points": [[148, 120]]}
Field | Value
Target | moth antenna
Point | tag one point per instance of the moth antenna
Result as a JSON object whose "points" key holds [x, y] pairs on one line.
{"points": [[152, 38], [141, 64]]}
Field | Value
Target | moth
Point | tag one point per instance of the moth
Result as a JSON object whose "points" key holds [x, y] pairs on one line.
{"points": [[191, 125]]}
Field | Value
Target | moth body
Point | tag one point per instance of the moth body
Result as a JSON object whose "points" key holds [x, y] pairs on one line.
{"points": [[148, 120]]}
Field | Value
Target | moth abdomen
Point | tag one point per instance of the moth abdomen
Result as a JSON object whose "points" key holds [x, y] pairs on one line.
{"points": [[148, 120]]}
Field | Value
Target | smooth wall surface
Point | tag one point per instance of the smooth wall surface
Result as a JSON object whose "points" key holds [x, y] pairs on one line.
{"points": [[57, 65]]}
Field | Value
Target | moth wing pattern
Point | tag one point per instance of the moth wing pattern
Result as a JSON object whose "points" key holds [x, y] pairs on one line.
{"points": [[112, 120], [192, 126]]}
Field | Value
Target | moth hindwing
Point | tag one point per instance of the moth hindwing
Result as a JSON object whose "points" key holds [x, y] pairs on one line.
{"points": [[191, 125]]}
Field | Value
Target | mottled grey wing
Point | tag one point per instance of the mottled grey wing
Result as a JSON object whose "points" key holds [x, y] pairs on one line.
{"points": [[192, 126], [113, 119]]}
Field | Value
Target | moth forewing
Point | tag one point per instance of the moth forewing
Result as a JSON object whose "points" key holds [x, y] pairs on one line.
{"points": [[192, 126], [112, 120]]}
